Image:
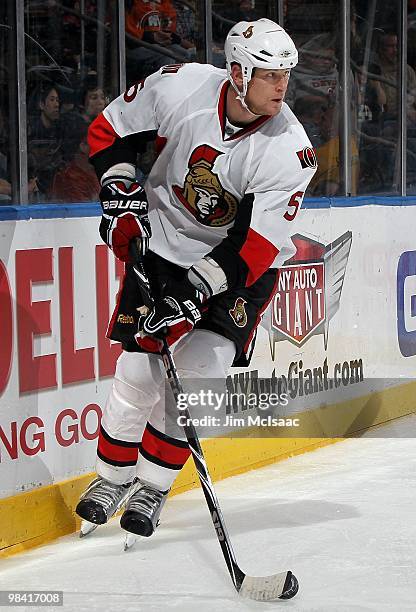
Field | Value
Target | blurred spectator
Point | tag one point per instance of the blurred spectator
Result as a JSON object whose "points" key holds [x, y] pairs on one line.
{"points": [[5, 191], [32, 175], [310, 113], [77, 181], [370, 94], [313, 94], [327, 179], [92, 101], [224, 16], [153, 22], [70, 44], [70, 50], [411, 34], [186, 26], [45, 137], [316, 75], [45, 124], [386, 63], [5, 184], [240, 10], [381, 145], [32, 186], [306, 19]]}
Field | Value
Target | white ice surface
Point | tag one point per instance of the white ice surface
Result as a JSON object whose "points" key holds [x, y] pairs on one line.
{"points": [[342, 518]]}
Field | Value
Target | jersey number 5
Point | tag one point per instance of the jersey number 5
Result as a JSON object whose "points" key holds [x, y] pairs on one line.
{"points": [[295, 203]]}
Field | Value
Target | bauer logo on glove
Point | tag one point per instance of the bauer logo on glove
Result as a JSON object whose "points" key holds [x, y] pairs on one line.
{"points": [[136, 205], [124, 218]]}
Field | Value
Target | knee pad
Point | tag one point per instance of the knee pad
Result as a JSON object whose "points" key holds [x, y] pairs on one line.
{"points": [[137, 378], [134, 392]]}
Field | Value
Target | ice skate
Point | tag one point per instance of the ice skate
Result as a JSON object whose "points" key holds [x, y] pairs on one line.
{"points": [[99, 502], [144, 505]]}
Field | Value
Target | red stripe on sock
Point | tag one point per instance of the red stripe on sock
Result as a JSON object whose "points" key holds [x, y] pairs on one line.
{"points": [[114, 452], [164, 450]]}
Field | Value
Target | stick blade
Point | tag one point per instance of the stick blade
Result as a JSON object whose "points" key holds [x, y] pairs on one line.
{"points": [[268, 588]]}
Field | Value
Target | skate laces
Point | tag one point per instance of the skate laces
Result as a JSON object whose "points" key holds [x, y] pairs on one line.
{"points": [[146, 500], [105, 493]]}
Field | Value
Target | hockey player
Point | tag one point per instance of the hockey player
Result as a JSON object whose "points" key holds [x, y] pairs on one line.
{"points": [[213, 223]]}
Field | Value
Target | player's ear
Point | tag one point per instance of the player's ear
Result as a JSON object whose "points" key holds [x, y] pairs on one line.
{"points": [[237, 74]]}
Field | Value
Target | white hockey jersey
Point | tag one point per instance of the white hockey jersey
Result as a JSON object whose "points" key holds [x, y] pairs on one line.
{"points": [[233, 196]]}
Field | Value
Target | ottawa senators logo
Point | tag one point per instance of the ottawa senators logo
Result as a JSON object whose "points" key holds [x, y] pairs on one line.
{"points": [[238, 313], [202, 193], [249, 32]]}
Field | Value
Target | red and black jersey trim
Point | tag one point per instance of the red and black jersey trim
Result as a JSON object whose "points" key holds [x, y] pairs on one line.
{"points": [[111, 149], [101, 134], [226, 254], [244, 254], [258, 253], [117, 452], [222, 116], [163, 450]]}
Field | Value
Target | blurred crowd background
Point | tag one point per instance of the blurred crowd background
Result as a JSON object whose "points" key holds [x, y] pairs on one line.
{"points": [[71, 54]]}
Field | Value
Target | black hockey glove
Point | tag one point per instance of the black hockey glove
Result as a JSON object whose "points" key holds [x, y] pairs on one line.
{"points": [[173, 316], [124, 218]]}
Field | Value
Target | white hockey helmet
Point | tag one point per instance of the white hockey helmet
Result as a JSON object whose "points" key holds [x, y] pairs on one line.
{"points": [[258, 44]]}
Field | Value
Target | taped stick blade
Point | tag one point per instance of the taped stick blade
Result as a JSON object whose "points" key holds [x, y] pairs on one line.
{"points": [[269, 588]]}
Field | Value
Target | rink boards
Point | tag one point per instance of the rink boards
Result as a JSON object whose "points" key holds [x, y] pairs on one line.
{"points": [[339, 339]]}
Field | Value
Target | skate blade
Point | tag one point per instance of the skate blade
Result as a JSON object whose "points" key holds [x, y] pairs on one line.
{"points": [[87, 528], [129, 540]]}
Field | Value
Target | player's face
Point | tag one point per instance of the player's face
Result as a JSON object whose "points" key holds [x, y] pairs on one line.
{"points": [[266, 91]]}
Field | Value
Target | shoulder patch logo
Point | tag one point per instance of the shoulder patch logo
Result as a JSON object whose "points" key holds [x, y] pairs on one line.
{"points": [[238, 313], [202, 193], [170, 68], [249, 32], [307, 158]]}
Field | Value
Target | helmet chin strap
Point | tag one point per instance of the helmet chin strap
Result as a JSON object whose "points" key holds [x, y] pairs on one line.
{"points": [[242, 94]]}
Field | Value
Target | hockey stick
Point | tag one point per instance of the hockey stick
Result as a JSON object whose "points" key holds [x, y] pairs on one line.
{"points": [[262, 588]]}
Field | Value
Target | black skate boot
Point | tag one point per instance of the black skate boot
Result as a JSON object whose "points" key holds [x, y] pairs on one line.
{"points": [[101, 500], [144, 505]]}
